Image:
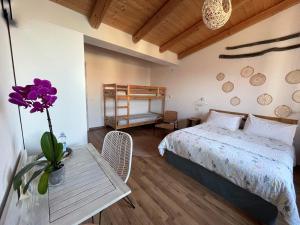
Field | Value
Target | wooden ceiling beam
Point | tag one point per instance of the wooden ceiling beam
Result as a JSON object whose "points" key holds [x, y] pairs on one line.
{"points": [[157, 18], [240, 26], [98, 12], [195, 27]]}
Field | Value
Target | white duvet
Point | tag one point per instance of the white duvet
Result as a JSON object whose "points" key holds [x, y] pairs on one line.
{"points": [[260, 165]]}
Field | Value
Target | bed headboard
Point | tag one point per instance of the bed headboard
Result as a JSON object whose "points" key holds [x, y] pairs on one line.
{"points": [[278, 119]]}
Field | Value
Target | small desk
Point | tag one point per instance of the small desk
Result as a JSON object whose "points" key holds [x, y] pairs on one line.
{"points": [[90, 186], [193, 121]]}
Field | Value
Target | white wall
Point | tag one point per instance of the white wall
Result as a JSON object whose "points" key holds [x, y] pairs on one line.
{"points": [[10, 132], [105, 67], [48, 51], [195, 76], [55, 53]]}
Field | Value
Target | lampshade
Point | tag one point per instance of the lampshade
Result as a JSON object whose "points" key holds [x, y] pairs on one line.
{"points": [[216, 13]]}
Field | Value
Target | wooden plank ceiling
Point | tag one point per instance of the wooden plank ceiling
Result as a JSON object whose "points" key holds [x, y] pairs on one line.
{"points": [[174, 25]]}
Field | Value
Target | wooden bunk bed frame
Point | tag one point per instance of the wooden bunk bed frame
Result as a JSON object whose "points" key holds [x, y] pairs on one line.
{"points": [[131, 92]]}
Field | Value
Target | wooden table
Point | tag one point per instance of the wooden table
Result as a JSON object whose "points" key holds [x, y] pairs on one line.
{"points": [[90, 186]]}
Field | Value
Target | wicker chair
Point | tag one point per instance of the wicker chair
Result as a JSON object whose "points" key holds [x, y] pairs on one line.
{"points": [[117, 151], [169, 121]]}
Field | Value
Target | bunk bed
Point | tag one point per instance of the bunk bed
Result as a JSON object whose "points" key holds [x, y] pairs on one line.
{"points": [[120, 94]]}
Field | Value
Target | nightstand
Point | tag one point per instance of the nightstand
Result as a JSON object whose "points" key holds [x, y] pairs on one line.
{"points": [[193, 121]]}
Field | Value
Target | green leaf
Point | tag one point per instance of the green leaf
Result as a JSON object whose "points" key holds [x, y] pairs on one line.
{"points": [[59, 152], [49, 168], [19, 193], [18, 189], [17, 181], [34, 175], [43, 183], [47, 146], [39, 156]]}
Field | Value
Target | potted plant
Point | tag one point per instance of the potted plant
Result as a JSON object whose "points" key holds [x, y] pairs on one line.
{"points": [[39, 97]]}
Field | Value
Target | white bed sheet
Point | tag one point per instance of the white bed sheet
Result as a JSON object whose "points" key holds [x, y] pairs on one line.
{"points": [[260, 165]]}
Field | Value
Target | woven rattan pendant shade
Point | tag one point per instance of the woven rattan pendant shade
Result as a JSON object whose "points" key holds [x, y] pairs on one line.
{"points": [[216, 13]]}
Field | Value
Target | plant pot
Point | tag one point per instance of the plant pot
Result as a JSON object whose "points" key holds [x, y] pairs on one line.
{"points": [[57, 177]]}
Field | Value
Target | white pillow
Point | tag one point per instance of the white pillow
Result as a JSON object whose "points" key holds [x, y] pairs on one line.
{"points": [[270, 129], [225, 120]]}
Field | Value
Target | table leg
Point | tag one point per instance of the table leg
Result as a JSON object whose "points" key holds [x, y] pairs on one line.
{"points": [[100, 213], [128, 201]]}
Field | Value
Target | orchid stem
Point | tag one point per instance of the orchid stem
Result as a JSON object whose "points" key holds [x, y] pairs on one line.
{"points": [[51, 132]]}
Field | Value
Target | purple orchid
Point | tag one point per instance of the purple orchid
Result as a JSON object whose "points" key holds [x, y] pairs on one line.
{"points": [[38, 96]]}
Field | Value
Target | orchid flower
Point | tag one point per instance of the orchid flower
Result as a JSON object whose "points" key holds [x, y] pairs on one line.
{"points": [[38, 96]]}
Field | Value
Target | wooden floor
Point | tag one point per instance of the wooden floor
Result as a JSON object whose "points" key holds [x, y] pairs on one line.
{"points": [[164, 195]]}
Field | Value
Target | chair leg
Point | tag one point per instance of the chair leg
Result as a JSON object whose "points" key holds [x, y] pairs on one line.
{"points": [[129, 202], [92, 219], [100, 213]]}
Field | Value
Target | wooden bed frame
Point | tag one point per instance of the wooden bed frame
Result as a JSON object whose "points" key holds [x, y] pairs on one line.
{"points": [[278, 119], [251, 204], [131, 92]]}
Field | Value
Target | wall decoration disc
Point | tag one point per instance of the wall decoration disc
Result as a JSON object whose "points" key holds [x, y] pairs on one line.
{"points": [[258, 79], [235, 101], [264, 99], [227, 86], [220, 76], [282, 111], [247, 71], [293, 77], [296, 96]]}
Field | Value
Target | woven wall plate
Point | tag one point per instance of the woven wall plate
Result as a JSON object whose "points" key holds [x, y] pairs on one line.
{"points": [[235, 101], [247, 71], [257, 79], [220, 76], [264, 99], [227, 86], [293, 77], [282, 111], [296, 96]]}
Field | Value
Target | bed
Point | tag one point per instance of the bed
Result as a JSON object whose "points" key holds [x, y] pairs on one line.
{"points": [[253, 173], [118, 103]]}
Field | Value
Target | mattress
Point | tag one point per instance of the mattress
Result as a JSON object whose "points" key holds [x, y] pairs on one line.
{"points": [[140, 118], [259, 165], [136, 118], [132, 94]]}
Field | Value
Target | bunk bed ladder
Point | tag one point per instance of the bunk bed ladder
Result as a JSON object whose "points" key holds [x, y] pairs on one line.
{"points": [[104, 109], [116, 105], [128, 104]]}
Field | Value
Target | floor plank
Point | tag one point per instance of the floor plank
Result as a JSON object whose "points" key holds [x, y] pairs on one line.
{"points": [[164, 195]]}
